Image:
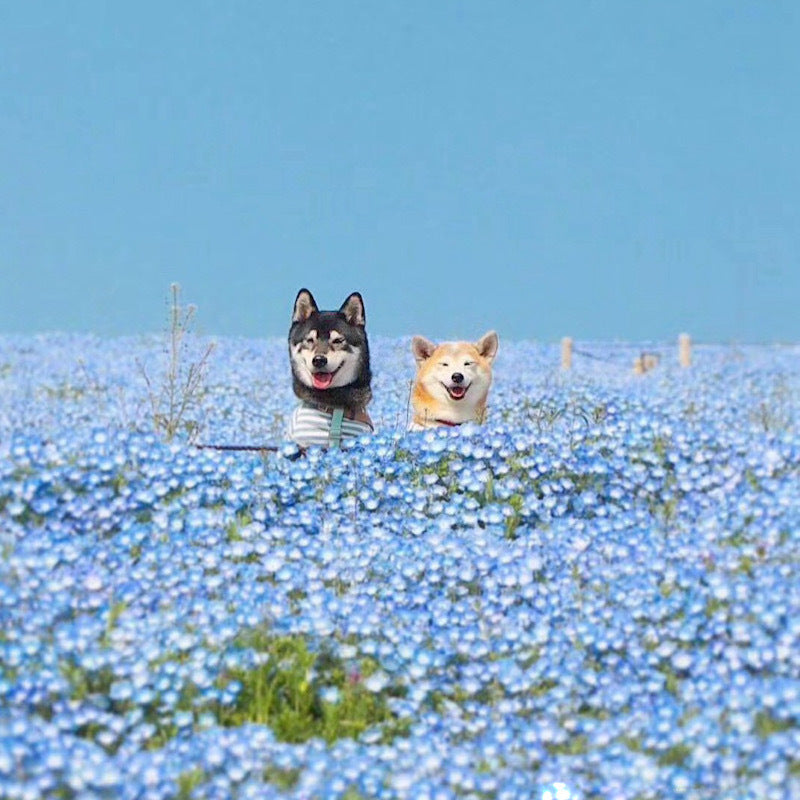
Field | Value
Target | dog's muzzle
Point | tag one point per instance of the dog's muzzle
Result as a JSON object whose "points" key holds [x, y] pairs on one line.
{"points": [[456, 389]]}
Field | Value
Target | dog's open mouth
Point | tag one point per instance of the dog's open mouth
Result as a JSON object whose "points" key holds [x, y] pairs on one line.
{"points": [[323, 380], [456, 392]]}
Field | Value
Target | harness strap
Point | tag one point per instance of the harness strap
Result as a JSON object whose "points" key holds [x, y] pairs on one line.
{"points": [[336, 427], [359, 414]]}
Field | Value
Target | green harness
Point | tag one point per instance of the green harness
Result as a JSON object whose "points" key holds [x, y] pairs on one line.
{"points": [[336, 427]]}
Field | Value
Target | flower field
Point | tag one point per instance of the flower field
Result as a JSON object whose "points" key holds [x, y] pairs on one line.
{"points": [[596, 595]]}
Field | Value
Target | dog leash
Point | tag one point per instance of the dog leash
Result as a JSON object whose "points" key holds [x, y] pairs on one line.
{"points": [[255, 448], [334, 438]]}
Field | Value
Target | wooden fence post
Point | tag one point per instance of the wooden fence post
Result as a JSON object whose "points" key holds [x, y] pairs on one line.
{"points": [[566, 353], [685, 350]]}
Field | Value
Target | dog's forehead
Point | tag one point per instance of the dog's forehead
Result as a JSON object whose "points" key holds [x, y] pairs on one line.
{"points": [[317, 324], [456, 350], [330, 322], [322, 324]]}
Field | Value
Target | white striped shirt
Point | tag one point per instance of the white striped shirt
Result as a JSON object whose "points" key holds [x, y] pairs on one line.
{"points": [[309, 426]]}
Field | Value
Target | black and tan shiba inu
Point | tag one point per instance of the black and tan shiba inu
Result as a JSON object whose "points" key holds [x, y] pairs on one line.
{"points": [[329, 354], [452, 382]]}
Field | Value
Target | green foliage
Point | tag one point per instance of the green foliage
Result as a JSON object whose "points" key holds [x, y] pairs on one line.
{"points": [[115, 611], [188, 782], [353, 794], [297, 692], [714, 605], [672, 680], [675, 756], [574, 746], [84, 683], [241, 520], [516, 502], [286, 693], [767, 724], [752, 480], [282, 778]]}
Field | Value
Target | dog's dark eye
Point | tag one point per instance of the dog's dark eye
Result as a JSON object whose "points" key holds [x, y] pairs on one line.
{"points": [[468, 363], [444, 364]]}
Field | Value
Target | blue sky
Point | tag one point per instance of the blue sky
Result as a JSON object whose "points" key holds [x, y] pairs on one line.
{"points": [[607, 170]]}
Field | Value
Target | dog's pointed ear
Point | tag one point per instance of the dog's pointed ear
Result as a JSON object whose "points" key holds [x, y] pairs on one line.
{"points": [[487, 345], [422, 348], [353, 310], [304, 306]]}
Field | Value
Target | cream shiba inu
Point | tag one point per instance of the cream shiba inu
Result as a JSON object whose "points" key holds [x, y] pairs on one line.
{"points": [[452, 381]]}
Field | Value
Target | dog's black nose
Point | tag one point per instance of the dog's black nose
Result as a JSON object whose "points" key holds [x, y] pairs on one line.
{"points": [[457, 377], [319, 361]]}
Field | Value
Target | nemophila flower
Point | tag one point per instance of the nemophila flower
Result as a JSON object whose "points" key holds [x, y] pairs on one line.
{"points": [[612, 569]]}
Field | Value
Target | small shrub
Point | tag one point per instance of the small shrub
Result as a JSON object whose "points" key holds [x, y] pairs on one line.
{"points": [[176, 398]]}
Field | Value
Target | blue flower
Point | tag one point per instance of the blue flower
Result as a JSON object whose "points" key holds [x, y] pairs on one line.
{"points": [[595, 589]]}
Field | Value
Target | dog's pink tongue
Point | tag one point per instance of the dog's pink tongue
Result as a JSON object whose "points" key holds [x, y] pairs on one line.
{"points": [[458, 392], [322, 380]]}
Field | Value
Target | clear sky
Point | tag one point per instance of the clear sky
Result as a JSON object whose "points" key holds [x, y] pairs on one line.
{"points": [[607, 170]]}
